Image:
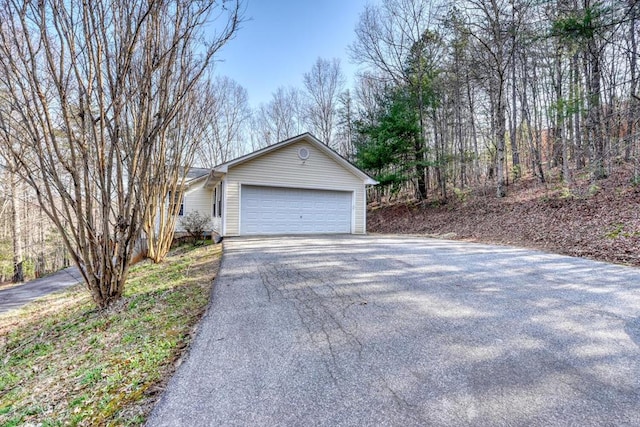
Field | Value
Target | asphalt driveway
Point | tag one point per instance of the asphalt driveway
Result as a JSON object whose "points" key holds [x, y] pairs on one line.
{"points": [[19, 295], [410, 331]]}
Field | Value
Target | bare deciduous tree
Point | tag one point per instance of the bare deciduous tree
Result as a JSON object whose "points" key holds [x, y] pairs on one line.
{"points": [[228, 117], [323, 83], [8, 137], [95, 86], [16, 229], [279, 119], [346, 124], [564, 72], [398, 39], [173, 158], [387, 33], [491, 27]]}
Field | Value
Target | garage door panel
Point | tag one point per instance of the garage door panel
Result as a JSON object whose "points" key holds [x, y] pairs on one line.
{"points": [[271, 210]]}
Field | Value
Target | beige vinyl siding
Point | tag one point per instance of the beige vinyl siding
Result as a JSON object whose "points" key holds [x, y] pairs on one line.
{"points": [[196, 198], [230, 211], [283, 168]]}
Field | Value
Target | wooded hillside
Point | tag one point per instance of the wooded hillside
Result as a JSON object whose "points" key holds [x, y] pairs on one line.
{"points": [[600, 222], [480, 92], [533, 102]]}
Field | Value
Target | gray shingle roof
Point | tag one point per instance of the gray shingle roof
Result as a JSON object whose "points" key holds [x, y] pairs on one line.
{"points": [[195, 173]]}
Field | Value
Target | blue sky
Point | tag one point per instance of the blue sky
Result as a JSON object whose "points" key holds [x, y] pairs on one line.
{"points": [[281, 39]]}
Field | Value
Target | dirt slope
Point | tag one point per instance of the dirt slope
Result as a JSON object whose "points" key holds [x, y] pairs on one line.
{"points": [[598, 220]]}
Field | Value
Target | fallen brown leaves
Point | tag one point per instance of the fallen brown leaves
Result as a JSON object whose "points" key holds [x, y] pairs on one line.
{"points": [[598, 220]]}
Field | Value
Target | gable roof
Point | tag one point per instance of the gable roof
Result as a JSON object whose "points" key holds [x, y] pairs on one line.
{"points": [[193, 174], [224, 167]]}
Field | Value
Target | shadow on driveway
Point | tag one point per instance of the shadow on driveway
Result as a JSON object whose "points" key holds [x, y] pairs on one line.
{"points": [[385, 330]]}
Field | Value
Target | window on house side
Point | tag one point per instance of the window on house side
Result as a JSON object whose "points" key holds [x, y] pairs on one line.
{"points": [[173, 201], [215, 202]]}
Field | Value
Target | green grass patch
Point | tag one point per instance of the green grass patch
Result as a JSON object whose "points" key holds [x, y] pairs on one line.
{"points": [[62, 362], [620, 230]]}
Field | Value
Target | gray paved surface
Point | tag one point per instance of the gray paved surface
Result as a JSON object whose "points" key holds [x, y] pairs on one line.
{"points": [[20, 295], [408, 331]]}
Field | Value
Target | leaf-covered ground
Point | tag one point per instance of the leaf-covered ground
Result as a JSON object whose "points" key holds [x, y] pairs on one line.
{"points": [[62, 362], [598, 220]]}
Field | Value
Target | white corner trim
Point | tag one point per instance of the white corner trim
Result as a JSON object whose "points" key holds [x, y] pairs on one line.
{"points": [[354, 211], [364, 204], [223, 188]]}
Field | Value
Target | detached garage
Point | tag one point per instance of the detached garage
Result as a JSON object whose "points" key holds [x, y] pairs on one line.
{"points": [[297, 186]]}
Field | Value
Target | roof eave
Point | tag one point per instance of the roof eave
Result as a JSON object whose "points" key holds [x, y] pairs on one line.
{"points": [[194, 180]]}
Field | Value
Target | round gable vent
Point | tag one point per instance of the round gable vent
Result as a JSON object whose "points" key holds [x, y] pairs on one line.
{"points": [[303, 153]]}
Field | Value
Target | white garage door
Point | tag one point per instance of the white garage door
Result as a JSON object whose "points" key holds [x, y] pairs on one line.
{"points": [[271, 210]]}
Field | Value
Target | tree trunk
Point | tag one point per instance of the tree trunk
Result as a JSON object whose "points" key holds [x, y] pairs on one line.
{"points": [[420, 171], [560, 148], [474, 134], [515, 153], [461, 140], [419, 146], [501, 190], [534, 136], [443, 161], [16, 231], [594, 117], [594, 113], [633, 75], [578, 142]]}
